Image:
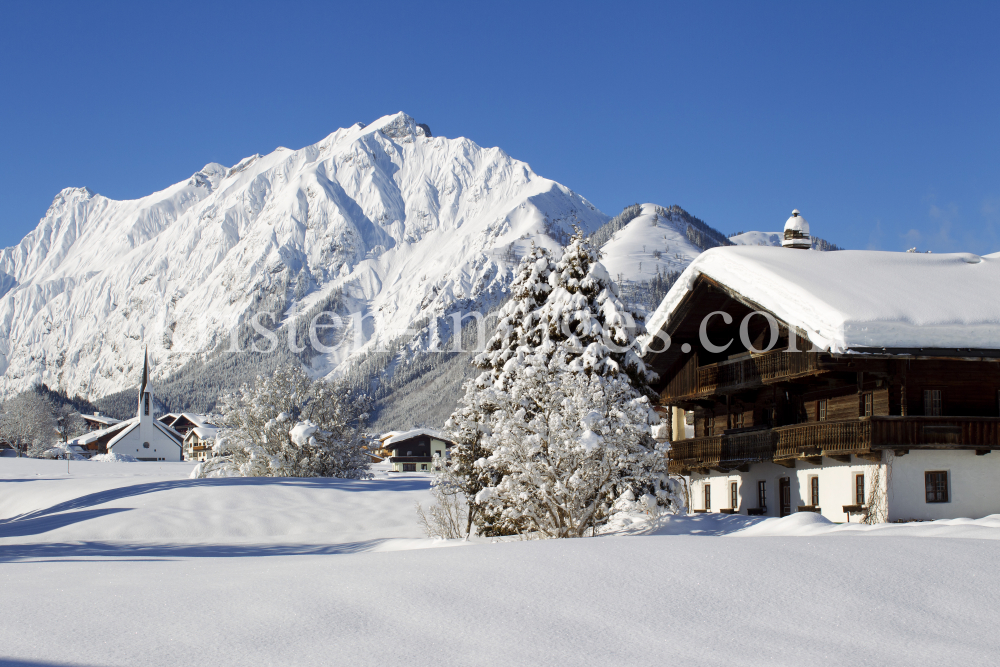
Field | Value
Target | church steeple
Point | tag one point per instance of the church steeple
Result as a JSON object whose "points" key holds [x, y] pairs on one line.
{"points": [[144, 398]]}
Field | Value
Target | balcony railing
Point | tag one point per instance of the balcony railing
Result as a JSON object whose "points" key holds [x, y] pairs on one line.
{"points": [[835, 438], [838, 438], [738, 374]]}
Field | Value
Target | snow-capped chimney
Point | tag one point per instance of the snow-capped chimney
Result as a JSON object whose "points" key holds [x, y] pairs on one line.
{"points": [[796, 232]]}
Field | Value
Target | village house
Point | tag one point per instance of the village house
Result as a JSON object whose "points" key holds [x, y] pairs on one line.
{"points": [[854, 384], [99, 422], [198, 442], [418, 450]]}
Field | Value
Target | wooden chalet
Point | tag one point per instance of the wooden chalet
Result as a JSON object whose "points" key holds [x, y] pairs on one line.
{"points": [[419, 450], [875, 400]]}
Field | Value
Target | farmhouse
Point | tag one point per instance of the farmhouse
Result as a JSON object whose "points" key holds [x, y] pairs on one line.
{"points": [[854, 384], [417, 450]]}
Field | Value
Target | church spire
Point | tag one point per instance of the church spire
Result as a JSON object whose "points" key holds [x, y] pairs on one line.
{"points": [[145, 370]]}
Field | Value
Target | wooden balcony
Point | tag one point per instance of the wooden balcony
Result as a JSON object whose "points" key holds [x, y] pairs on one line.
{"points": [[725, 452], [866, 437], [740, 374]]}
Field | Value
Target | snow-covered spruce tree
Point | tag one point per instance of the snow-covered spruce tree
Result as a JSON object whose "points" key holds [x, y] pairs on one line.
{"points": [[585, 324], [518, 320], [287, 425], [467, 472], [567, 433], [574, 446]]}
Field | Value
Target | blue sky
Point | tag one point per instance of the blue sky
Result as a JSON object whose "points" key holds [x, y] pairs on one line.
{"points": [[880, 121]]}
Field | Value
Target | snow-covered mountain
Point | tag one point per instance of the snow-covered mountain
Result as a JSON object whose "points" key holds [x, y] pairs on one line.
{"points": [[654, 242], [383, 219], [774, 239]]}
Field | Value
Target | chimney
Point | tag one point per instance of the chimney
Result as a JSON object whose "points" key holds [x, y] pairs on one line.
{"points": [[796, 232]]}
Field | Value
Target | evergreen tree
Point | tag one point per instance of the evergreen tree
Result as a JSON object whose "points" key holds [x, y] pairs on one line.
{"points": [[517, 324], [571, 446], [555, 436], [584, 323]]}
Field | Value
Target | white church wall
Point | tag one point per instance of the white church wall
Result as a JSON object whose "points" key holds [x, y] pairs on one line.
{"points": [[161, 446]]}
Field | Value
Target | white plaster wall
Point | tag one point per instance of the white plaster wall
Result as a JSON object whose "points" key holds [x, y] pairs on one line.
{"points": [[836, 487], [973, 485]]}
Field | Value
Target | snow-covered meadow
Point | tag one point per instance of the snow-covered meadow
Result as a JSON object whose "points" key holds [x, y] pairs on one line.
{"points": [[135, 564]]}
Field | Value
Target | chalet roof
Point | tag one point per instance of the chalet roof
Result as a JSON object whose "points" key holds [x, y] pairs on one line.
{"points": [[856, 298], [100, 419], [204, 432], [93, 436], [195, 418], [415, 433]]}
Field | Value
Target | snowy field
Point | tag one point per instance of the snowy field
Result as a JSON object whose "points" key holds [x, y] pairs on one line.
{"points": [[134, 564]]}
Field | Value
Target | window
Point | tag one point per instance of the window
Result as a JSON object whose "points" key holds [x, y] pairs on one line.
{"points": [[708, 496], [821, 410], [145, 445], [709, 424], [146, 401], [423, 466], [762, 494], [734, 497], [932, 402], [814, 490], [859, 489], [869, 404], [936, 484], [409, 467]]}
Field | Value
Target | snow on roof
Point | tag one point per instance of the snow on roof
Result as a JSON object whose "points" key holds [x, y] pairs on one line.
{"points": [[859, 298], [88, 438], [101, 419], [205, 432], [194, 417], [406, 435]]}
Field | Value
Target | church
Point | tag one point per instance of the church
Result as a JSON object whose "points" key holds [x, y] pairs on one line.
{"points": [[143, 437]]}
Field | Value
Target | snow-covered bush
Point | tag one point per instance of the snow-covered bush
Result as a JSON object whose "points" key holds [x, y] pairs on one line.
{"points": [[448, 517], [287, 425]]}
